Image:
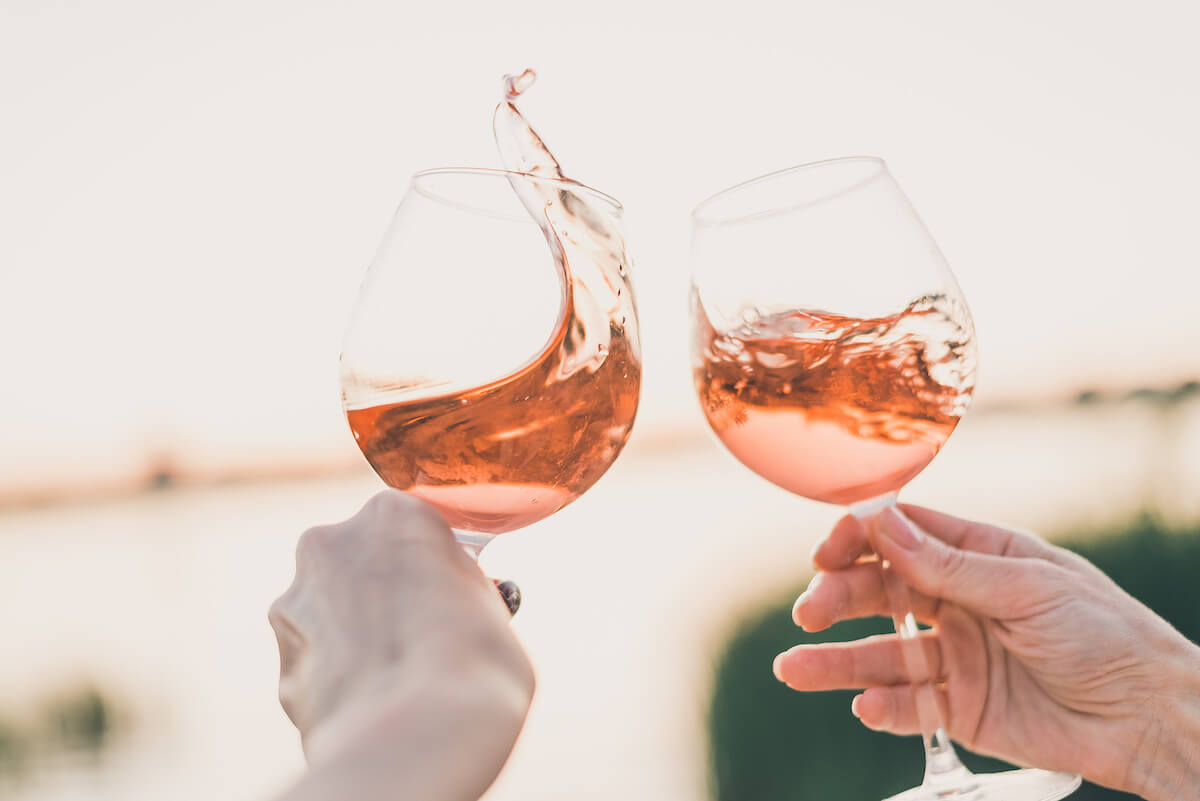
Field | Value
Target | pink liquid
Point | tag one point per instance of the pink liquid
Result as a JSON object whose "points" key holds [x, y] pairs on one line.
{"points": [[834, 408], [789, 447]]}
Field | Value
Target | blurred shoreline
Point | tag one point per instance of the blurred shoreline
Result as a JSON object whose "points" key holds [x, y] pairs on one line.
{"points": [[166, 469]]}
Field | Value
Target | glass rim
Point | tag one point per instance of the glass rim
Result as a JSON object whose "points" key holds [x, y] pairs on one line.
{"points": [[698, 211], [493, 172]]}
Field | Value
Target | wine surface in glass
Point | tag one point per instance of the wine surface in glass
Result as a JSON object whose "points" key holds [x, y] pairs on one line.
{"points": [[835, 408], [502, 456]]}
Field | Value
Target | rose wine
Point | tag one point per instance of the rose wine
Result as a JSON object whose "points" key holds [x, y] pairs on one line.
{"points": [[835, 408], [506, 454]]}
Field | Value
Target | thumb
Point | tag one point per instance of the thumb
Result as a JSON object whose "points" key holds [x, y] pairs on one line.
{"points": [[1000, 587]]}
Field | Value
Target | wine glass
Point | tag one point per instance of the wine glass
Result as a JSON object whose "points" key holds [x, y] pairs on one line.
{"points": [[492, 365], [833, 354]]}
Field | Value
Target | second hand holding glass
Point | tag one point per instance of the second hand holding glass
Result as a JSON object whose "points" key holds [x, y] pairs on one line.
{"points": [[833, 354]]}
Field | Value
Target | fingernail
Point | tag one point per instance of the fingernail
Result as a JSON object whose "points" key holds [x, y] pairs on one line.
{"points": [[854, 702], [812, 555], [796, 607], [897, 528], [803, 599], [813, 583], [777, 665]]}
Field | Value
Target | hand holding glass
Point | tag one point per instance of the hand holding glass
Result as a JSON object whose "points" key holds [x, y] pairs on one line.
{"points": [[833, 354]]}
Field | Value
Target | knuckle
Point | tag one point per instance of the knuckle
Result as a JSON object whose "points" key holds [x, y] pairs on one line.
{"points": [[313, 541], [1037, 586], [426, 513], [1040, 574], [846, 662], [1052, 579], [391, 503], [276, 615], [1071, 560], [837, 594], [1021, 541], [953, 561], [1029, 535], [384, 501], [287, 630], [950, 565], [289, 696], [883, 714], [392, 511]]}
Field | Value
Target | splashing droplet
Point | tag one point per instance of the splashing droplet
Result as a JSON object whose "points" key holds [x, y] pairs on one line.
{"points": [[514, 85]]}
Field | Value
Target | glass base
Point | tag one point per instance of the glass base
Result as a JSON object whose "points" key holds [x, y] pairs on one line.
{"points": [[1012, 785]]}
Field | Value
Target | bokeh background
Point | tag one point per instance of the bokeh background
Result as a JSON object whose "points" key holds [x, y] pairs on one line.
{"points": [[189, 194]]}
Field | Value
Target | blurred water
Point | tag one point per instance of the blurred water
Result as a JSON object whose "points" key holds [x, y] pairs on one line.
{"points": [[160, 600]]}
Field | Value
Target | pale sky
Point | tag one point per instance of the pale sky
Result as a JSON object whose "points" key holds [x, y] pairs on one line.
{"points": [[190, 193]]}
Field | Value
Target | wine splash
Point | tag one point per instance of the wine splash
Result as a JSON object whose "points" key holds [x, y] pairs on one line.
{"points": [[835, 408], [511, 452]]}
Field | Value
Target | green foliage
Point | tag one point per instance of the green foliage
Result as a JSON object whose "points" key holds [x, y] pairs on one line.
{"points": [[78, 720], [14, 749], [769, 743]]}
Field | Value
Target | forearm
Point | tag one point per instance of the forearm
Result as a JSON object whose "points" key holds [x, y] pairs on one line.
{"points": [[1167, 765]]}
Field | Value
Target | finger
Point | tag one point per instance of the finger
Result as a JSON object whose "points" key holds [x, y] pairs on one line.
{"points": [[970, 535], [870, 662], [403, 516], [292, 646], [1001, 587], [854, 592], [848, 541], [843, 546], [406, 528], [308, 549], [393, 532], [894, 709], [285, 629]]}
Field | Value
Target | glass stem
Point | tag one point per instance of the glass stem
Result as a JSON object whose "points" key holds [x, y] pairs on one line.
{"points": [[943, 770], [473, 542]]}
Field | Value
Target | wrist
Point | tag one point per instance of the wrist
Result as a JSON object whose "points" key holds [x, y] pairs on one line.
{"points": [[1167, 763], [403, 697]]}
